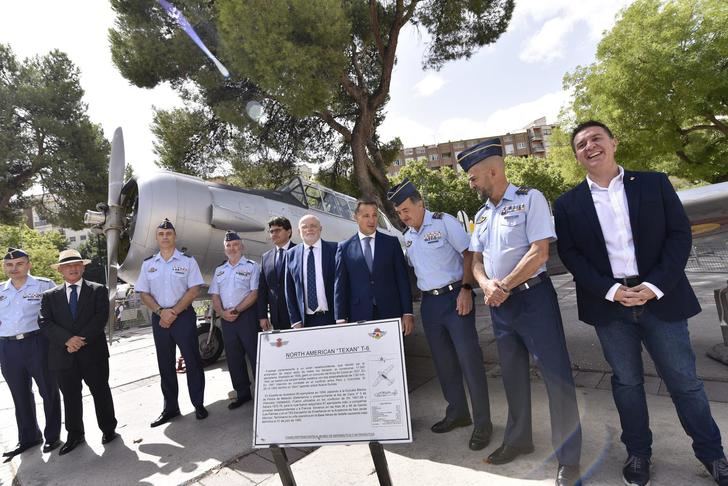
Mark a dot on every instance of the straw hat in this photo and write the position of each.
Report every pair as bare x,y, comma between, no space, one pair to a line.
69,256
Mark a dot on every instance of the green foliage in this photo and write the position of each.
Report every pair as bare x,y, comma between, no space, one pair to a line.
43,248
442,190
321,68
47,140
661,83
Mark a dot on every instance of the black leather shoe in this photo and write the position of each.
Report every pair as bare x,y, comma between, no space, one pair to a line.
50,446
480,438
20,448
446,424
71,443
106,438
201,412
165,417
568,476
506,453
238,403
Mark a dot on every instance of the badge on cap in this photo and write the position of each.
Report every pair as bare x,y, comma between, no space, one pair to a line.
166,224
14,253
232,236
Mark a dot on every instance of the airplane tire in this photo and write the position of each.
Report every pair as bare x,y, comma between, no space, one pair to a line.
211,352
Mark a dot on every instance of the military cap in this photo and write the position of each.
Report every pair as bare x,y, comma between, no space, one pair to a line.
399,193
232,236
166,224
14,253
472,155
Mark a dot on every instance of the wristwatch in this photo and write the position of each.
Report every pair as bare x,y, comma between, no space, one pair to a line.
159,310
466,286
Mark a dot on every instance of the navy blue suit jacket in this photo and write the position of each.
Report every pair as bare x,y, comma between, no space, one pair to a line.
294,278
272,291
356,289
662,241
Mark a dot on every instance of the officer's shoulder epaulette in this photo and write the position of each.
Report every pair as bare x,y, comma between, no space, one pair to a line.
222,263
43,279
405,230
187,255
522,191
149,257
250,261
437,215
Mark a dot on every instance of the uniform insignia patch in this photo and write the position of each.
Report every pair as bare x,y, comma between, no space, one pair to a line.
243,274
33,296
436,215
481,219
513,208
152,270
523,191
3,297
432,236
220,273
408,243
177,269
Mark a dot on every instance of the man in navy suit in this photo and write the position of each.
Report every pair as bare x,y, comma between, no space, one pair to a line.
271,288
310,277
371,274
625,238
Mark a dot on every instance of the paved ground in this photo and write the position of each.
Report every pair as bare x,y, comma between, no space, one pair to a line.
217,450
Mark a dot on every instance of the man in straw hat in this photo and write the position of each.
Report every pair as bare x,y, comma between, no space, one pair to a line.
24,353
73,316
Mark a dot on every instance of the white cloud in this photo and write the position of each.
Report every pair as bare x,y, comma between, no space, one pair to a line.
411,132
429,85
514,118
555,19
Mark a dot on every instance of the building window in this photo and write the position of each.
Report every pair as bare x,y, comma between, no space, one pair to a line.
398,162
446,155
420,150
83,237
507,138
509,149
521,145
408,151
72,239
433,157
458,145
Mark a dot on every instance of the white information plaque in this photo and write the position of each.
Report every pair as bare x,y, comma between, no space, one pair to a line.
340,384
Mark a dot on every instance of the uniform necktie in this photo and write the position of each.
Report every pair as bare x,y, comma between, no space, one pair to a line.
73,301
368,253
311,281
279,263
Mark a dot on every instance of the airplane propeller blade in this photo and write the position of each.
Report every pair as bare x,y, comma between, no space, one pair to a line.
112,227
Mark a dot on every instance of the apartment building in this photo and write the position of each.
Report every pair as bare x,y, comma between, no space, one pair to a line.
533,140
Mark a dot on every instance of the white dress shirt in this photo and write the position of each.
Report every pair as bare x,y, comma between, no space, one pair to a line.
284,247
613,213
78,290
323,304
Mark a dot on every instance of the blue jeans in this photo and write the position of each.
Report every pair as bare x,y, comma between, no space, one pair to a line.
668,343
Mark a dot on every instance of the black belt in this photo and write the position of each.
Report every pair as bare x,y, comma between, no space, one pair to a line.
631,281
18,337
445,289
531,282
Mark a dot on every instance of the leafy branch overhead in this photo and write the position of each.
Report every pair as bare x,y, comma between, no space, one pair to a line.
321,68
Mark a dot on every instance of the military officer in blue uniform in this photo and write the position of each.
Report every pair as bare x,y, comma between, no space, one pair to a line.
511,246
24,354
234,291
437,248
169,281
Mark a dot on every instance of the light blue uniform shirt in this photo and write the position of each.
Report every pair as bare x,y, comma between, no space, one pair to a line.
234,283
436,250
167,281
505,232
19,308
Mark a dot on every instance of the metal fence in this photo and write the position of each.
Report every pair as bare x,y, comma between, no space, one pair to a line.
710,257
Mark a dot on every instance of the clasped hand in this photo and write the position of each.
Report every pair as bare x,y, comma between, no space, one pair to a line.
633,296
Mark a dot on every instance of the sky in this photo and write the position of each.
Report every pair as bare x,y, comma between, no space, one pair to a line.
501,88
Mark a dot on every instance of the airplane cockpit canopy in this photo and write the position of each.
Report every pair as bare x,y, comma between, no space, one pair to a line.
320,198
